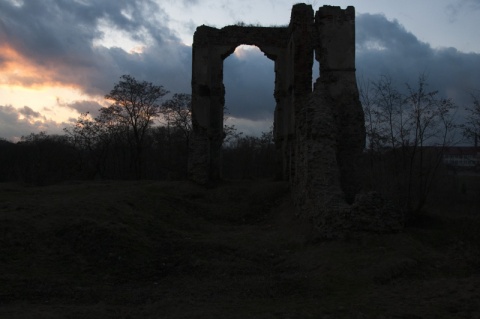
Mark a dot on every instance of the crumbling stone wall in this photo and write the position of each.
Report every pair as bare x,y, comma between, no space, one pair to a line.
319,133
210,47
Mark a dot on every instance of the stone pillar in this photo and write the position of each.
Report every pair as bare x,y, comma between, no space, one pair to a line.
199,148
335,50
316,187
208,96
280,116
301,63
217,104
317,193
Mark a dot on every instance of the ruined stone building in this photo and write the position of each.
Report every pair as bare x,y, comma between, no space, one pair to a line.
319,132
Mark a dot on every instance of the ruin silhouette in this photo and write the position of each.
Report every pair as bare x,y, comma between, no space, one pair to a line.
319,132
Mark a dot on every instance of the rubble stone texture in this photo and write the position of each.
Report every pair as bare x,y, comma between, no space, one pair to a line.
319,133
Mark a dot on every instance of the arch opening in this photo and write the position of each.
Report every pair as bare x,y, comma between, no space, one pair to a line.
315,72
238,48
249,80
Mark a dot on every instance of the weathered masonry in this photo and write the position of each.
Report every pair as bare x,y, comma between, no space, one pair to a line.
319,133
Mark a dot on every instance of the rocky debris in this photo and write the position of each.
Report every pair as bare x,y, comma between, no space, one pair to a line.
371,212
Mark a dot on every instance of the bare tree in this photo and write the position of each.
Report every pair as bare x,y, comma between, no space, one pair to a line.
407,134
93,137
135,105
178,114
389,112
230,132
371,124
431,124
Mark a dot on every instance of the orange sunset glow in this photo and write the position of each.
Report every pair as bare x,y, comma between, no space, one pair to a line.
25,83
18,70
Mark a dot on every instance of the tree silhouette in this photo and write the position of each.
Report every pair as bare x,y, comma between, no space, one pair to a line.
135,105
407,134
178,114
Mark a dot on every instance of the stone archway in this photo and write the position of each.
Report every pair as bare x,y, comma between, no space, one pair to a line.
319,133
211,46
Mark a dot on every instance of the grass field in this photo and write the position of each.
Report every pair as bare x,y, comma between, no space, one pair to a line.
176,250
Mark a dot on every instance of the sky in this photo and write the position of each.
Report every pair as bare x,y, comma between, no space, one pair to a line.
58,58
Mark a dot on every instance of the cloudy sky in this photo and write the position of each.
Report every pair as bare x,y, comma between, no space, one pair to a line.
60,57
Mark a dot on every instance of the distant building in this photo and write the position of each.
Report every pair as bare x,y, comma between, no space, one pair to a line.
464,158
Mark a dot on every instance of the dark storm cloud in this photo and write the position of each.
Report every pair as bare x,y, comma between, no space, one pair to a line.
29,113
84,106
58,35
13,126
386,48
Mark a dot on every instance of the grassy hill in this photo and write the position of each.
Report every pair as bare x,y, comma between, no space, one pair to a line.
175,250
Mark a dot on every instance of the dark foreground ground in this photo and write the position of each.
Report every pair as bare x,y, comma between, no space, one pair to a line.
175,250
